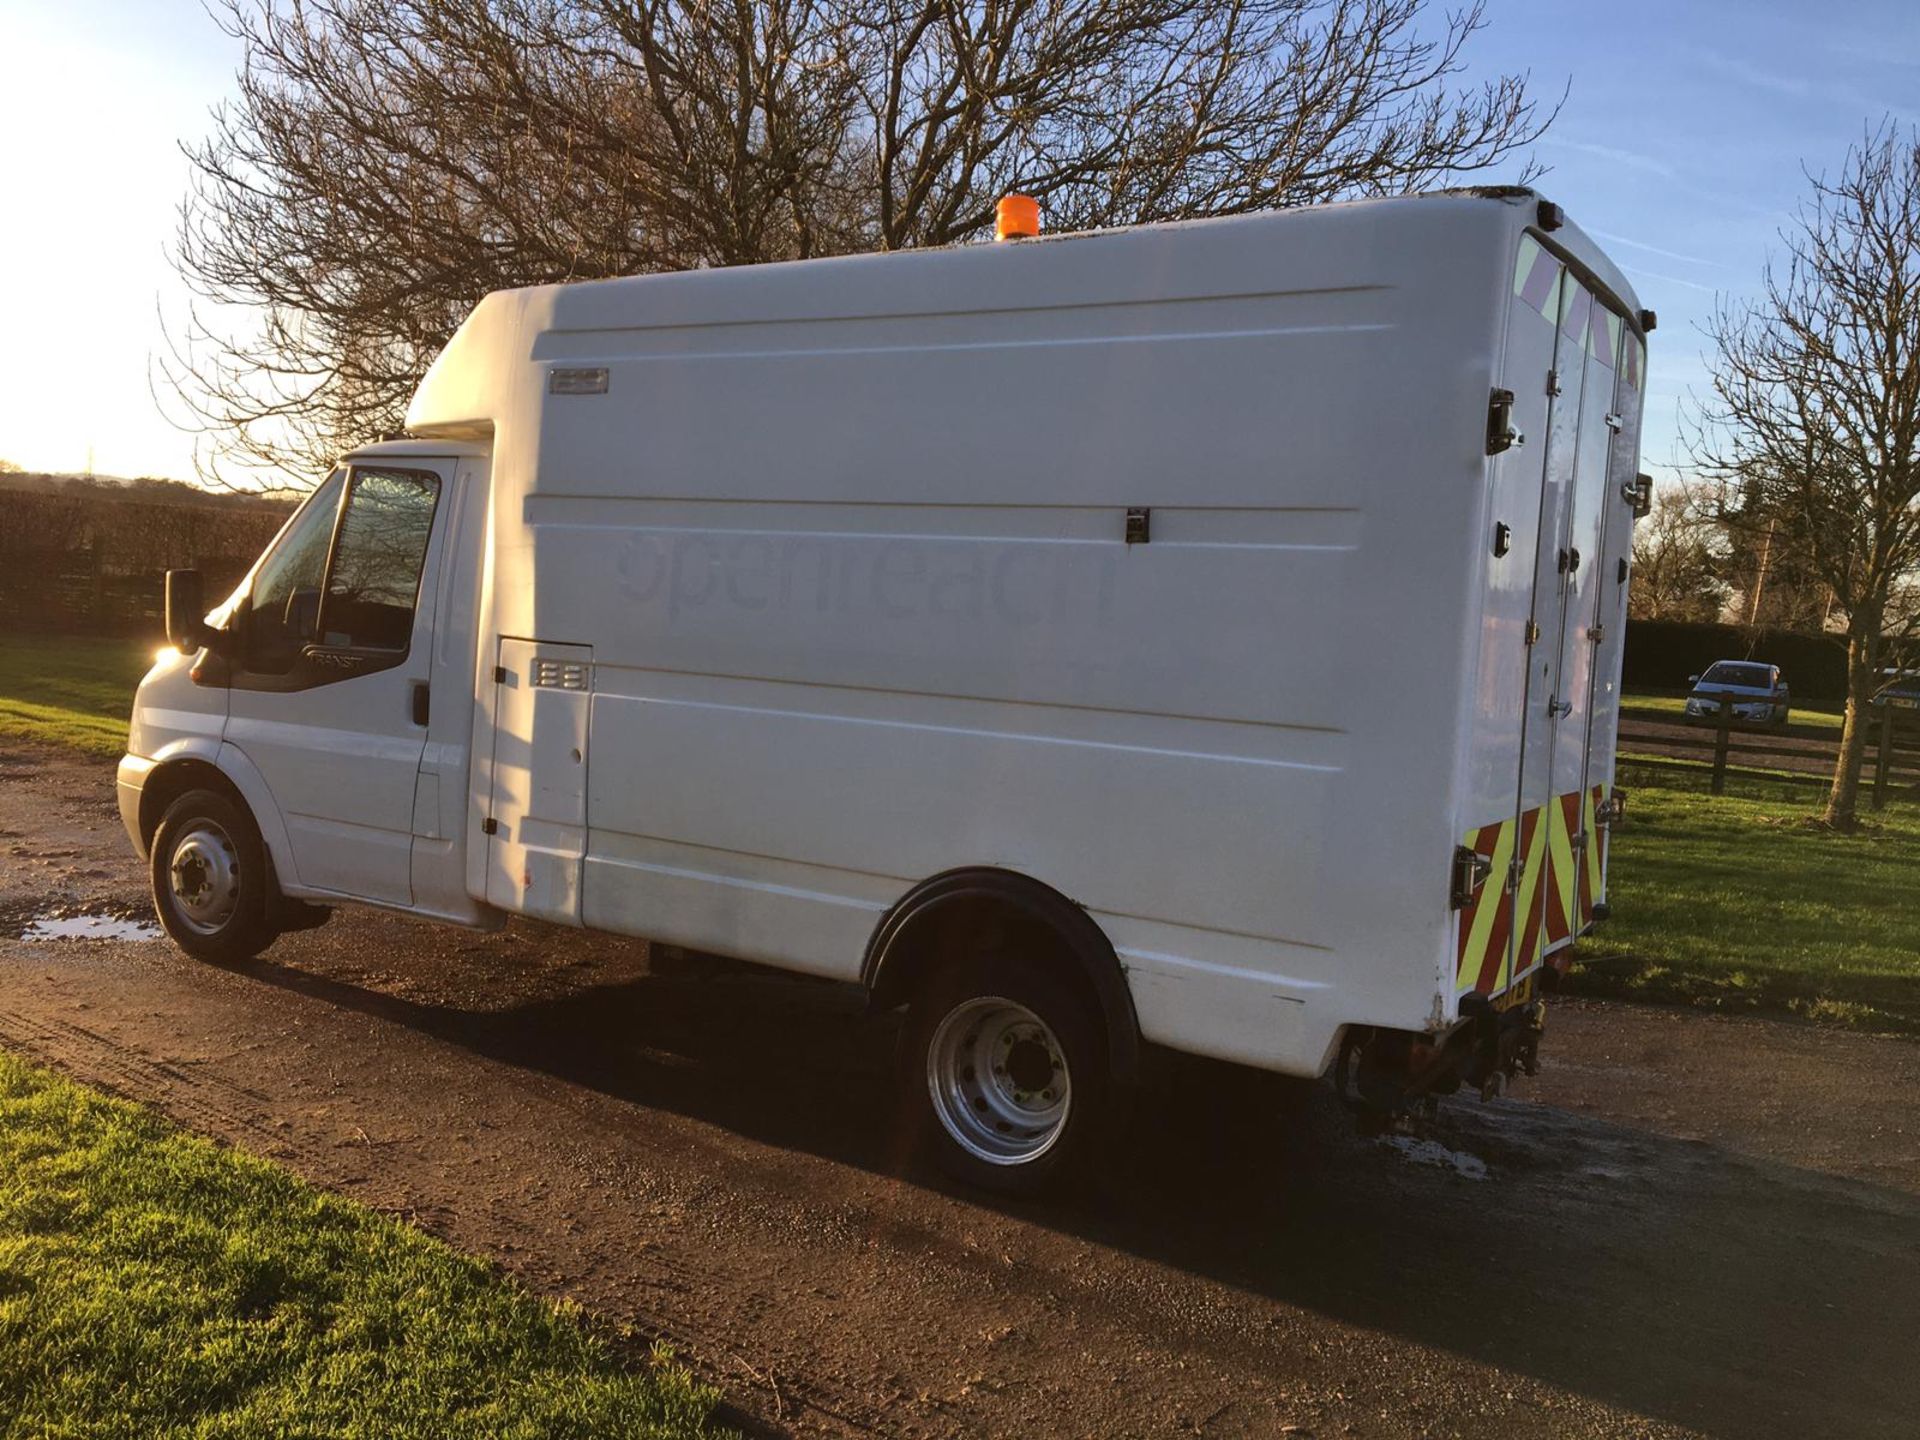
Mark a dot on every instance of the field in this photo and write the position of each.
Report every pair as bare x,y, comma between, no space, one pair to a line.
153,1283
70,690
1741,903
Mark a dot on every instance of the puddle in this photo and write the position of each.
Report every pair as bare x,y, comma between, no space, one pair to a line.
1432,1152
90,927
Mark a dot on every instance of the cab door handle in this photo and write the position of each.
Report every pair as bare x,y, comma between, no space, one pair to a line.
421,706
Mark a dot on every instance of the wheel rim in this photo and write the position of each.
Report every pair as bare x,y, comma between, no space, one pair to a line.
999,1081
203,877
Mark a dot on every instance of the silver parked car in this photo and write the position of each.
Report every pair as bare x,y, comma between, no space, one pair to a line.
1756,691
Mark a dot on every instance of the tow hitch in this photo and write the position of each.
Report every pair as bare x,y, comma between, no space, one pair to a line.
1505,1042
1385,1075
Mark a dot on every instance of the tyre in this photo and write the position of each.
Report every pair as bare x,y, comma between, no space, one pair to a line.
1005,1069
211,884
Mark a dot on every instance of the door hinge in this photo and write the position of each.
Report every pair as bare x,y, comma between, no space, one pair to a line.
1533,632
499,674
1553,382
489,826
1470,871
1614,422
1559,709
1500,432
1597,634
1611,810
1638,493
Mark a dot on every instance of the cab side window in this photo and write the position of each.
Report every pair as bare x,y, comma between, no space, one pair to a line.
286,589
375,577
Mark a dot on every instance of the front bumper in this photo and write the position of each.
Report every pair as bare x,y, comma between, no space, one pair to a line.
128,782
1752,711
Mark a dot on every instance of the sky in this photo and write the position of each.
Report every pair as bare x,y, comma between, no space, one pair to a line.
1679,148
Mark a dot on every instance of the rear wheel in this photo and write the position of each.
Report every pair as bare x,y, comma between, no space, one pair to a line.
1005,1068
210,879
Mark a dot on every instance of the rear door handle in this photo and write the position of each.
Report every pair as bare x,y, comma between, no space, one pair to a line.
421,703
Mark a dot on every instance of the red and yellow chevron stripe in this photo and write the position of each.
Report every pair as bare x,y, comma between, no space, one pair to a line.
1485,961
1563,813
1594,860
1536,278
1484,924
1531,898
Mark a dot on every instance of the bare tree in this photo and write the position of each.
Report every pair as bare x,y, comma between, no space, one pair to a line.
1768,568
388,162
1814,415
1676,568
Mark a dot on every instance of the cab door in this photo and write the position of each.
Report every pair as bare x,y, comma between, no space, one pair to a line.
329,690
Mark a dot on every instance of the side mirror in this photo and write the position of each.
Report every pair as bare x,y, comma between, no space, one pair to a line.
1693,679
187,628
302,618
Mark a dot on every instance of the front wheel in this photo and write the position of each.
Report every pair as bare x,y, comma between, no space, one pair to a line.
1005,1067
210,880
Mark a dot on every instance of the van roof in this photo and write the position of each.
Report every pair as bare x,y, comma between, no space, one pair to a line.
404,448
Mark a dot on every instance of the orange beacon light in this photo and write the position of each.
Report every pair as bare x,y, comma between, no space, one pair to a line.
1017,217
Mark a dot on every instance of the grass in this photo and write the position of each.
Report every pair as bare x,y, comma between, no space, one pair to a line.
155,1284
1744,902
70,690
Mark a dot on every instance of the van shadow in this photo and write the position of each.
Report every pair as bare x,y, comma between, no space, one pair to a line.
1729,1295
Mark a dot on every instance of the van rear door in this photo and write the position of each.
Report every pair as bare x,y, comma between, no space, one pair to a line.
1580,563
1608,631
1507,764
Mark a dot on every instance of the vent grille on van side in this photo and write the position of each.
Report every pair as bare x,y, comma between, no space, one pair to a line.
560,674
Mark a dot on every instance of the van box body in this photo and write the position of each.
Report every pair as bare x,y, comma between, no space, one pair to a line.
1198,572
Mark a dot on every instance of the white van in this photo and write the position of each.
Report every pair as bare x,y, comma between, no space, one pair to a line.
1204,635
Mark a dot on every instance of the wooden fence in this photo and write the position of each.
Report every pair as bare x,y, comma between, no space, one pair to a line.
1794,756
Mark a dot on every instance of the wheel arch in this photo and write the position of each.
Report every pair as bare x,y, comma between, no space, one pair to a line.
171,779
906,945
228,771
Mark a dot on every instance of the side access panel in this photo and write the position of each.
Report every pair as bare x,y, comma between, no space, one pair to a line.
542,697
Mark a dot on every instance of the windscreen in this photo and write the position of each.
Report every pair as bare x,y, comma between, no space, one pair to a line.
1758,677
